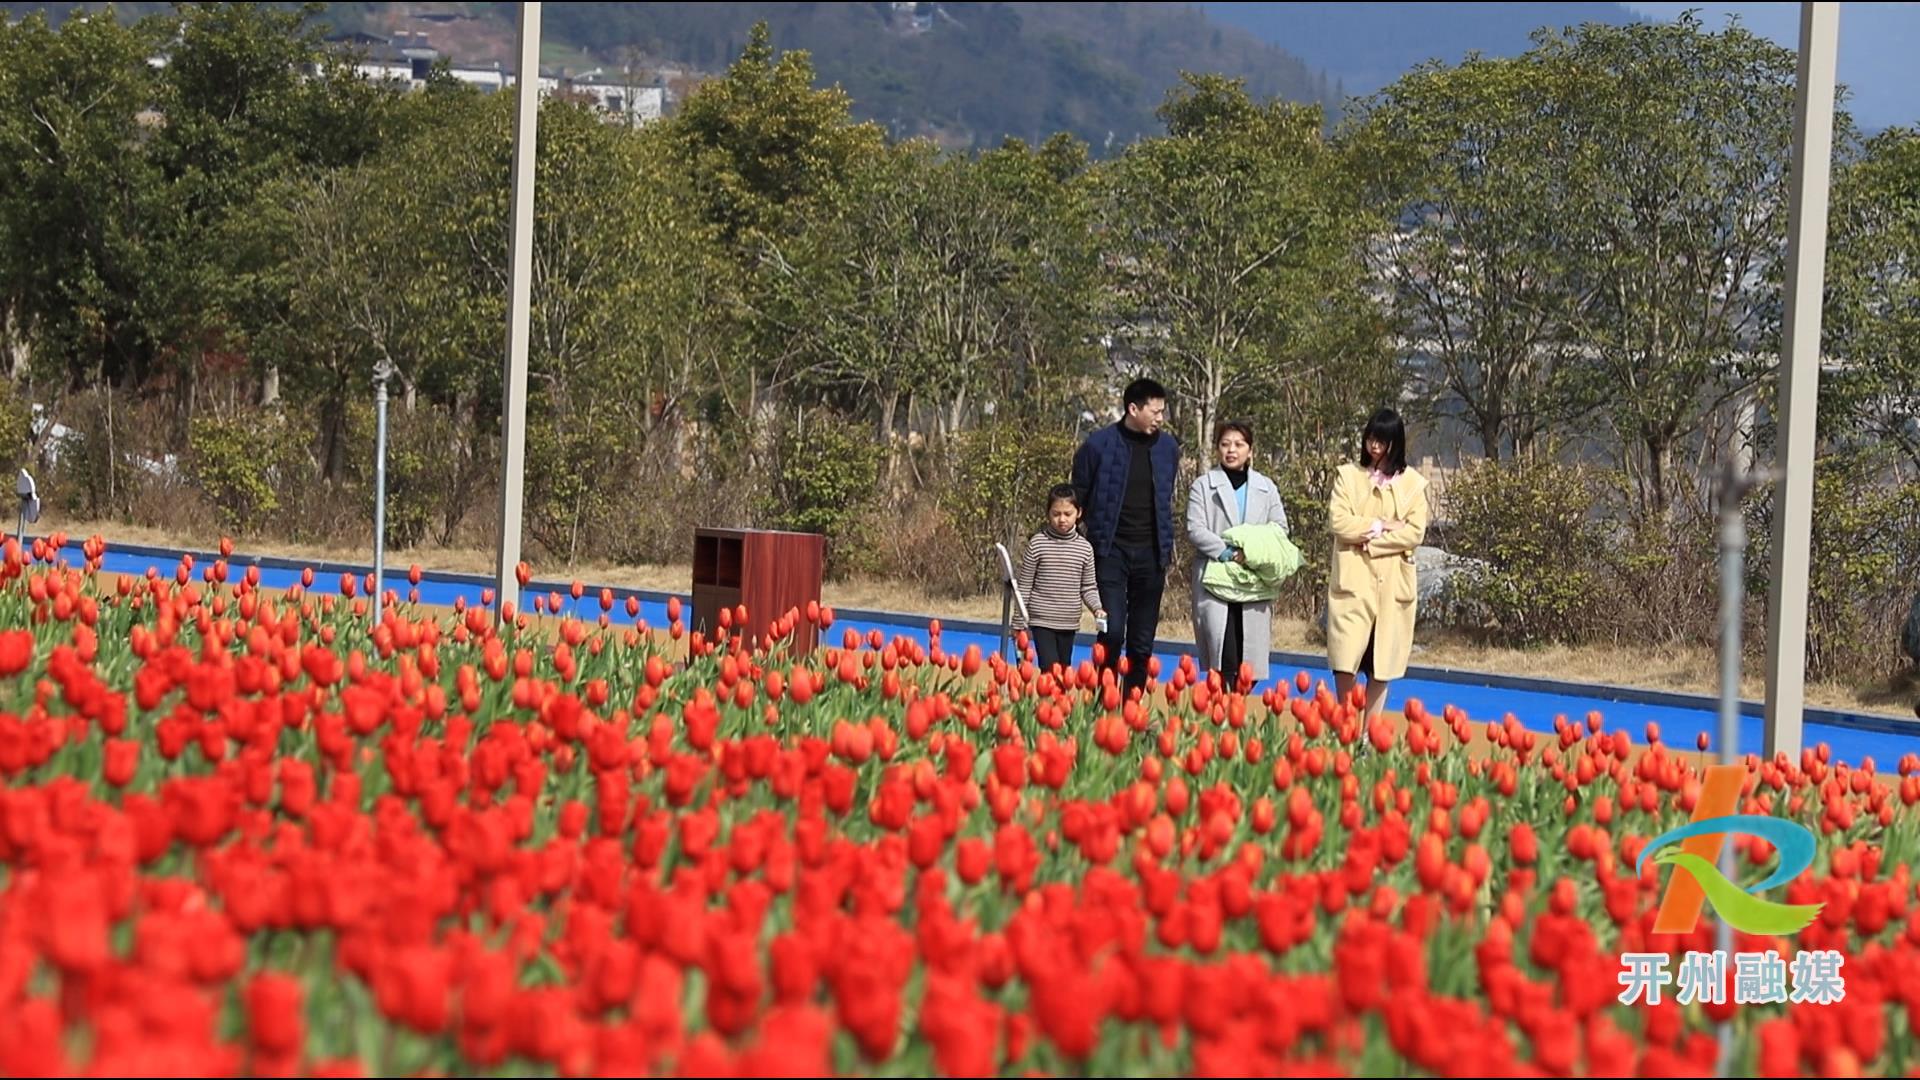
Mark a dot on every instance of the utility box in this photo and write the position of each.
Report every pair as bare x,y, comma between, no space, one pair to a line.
769,572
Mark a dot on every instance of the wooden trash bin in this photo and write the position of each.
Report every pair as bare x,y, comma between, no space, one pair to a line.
769,572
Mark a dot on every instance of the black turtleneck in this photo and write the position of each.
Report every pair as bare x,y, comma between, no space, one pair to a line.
1138,526
1236,477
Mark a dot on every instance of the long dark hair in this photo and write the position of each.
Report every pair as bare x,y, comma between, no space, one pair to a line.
1386,426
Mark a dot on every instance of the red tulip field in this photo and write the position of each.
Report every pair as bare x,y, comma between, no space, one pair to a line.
252,833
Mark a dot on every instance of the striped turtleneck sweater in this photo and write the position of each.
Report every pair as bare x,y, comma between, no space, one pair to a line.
1056,579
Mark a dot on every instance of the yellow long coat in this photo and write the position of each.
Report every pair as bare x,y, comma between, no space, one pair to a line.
1371,593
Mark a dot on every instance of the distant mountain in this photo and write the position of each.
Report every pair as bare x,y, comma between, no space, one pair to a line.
968,74
1365,46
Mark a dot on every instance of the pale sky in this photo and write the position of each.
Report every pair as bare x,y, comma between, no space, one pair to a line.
1879,46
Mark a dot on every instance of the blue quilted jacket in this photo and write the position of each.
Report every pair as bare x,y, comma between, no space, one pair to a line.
1100,475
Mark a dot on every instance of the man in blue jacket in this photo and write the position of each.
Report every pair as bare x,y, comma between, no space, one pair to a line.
1125,476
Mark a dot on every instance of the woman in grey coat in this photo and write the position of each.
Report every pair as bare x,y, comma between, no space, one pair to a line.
1226,634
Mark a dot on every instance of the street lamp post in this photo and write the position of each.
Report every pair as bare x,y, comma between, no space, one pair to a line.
381,373
1735,484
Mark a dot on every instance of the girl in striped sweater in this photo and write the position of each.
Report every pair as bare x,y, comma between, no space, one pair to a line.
1056,579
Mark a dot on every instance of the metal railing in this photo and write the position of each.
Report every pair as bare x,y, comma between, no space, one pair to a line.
1009,597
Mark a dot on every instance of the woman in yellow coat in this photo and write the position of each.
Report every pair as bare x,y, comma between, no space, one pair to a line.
1378,516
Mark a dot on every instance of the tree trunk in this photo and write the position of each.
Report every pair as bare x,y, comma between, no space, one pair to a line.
764,429
13,340
466,419
1743,433
913,461
682,441
757,430
959,410
1487,426
113,461
270,386
335,451
1659,470
573,540
1205,414
887,410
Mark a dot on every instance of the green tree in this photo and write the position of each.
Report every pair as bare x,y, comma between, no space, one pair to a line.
765,151
688,332
317,283
251,96
1234,249
76,192
1682,143
615,251
1866,540
627,278
1872,318
1472,162
330,268
824,480
1055,292
763,144
954,284
847,294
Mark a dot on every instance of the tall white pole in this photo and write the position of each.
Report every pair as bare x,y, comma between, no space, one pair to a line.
513,454
381,373
1800,376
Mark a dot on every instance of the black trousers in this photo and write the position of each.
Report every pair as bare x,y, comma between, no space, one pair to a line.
1131,581
1051,646
1233,645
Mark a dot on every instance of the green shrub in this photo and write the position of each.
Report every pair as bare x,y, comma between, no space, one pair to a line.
16,425
415,452
1304,490
827,476
231,459
569,473
1527,524
93,477
1001,476
1657,577
1865,548
437,469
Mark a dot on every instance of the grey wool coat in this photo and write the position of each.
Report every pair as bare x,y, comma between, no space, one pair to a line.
1213,507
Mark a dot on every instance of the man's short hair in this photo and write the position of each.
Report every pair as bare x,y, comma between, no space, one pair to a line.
1141,391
